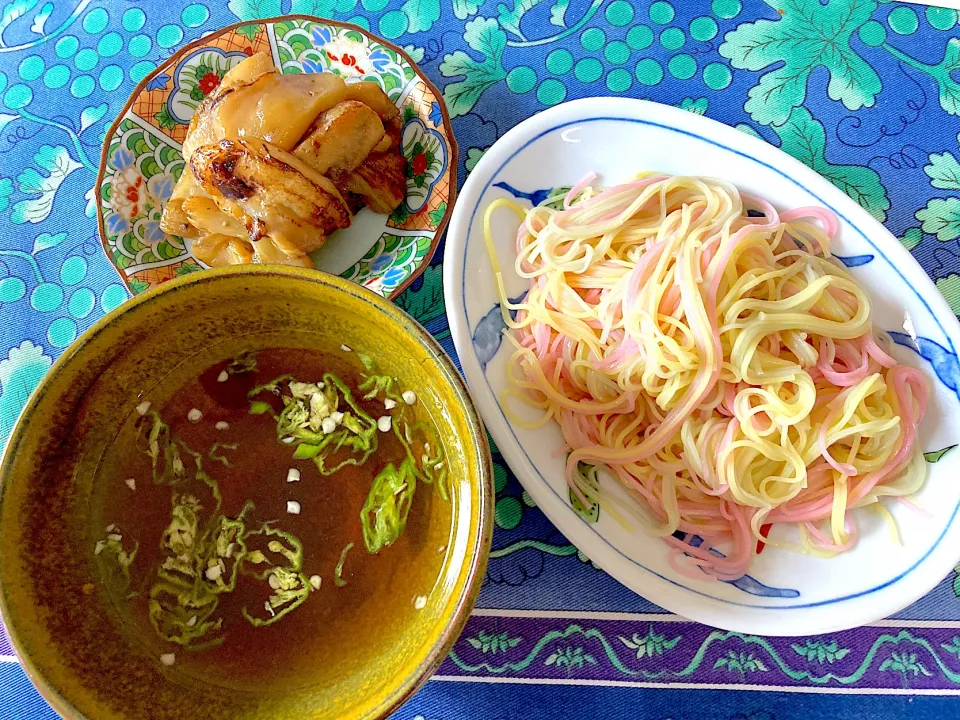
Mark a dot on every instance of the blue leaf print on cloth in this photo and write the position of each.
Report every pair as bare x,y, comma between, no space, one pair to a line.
20,373
54,164
44,241
90,115
6,190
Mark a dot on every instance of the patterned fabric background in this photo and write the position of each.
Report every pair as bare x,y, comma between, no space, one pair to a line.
864,91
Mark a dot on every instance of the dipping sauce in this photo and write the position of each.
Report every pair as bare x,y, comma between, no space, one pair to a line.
254,531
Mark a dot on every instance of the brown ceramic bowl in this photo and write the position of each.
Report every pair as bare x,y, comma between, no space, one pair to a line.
72,641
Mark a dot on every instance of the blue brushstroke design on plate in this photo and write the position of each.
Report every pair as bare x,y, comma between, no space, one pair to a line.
746,583
159,82
944,362
536,197
852,261
488,335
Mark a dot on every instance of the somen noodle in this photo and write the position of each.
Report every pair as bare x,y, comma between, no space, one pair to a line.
710,353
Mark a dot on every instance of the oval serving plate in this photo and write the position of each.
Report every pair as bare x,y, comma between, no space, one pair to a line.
785,593
142,160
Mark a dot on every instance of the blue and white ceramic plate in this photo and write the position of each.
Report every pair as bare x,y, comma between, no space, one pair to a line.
785,593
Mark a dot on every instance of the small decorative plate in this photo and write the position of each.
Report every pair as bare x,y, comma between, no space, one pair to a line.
785,593
142,159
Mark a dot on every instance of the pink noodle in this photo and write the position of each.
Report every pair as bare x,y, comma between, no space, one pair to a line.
820,540
906,501
640,274
707,509
876,352
842,468
826,218
577,189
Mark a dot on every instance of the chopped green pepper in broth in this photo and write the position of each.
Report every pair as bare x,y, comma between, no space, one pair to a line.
204,552
384,514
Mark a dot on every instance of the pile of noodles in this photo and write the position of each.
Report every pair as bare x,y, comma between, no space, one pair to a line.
711,354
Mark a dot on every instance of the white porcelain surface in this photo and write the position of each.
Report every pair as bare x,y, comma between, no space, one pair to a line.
616,138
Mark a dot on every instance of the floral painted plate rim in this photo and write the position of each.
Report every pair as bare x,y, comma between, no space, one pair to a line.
452,161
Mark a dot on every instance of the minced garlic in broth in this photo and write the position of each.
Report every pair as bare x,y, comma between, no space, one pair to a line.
360,612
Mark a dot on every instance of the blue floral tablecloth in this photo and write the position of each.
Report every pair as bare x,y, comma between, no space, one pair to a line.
864,91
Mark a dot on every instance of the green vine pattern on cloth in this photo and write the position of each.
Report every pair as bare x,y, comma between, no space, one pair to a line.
812,662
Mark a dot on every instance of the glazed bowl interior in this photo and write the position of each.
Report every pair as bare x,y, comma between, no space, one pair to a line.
70,638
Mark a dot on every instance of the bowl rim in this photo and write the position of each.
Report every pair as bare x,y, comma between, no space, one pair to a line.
803,623
462,605
185,50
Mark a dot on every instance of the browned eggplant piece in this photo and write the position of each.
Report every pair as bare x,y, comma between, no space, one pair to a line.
341,138
381,180
265,105
206,216
174,220
354,201
269,251
278,109
281,197
275,163
204,128
373,96
218,250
